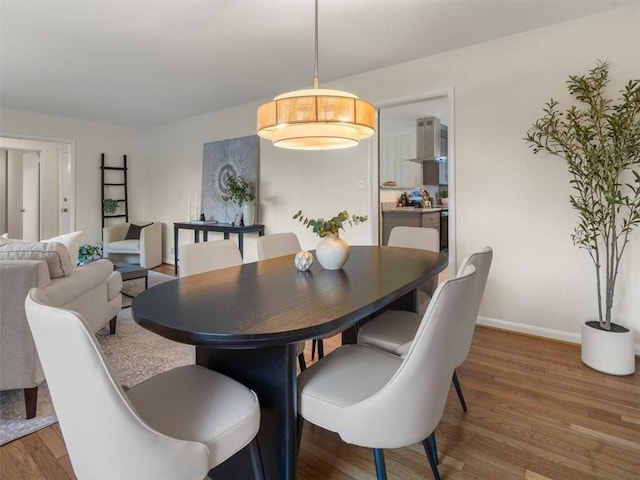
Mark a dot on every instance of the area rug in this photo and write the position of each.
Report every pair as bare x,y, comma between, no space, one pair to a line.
134,354
131,288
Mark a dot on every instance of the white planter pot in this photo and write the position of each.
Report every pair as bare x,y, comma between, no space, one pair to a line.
248,213
332,252
607,351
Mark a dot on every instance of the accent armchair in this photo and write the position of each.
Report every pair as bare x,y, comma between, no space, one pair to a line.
138,243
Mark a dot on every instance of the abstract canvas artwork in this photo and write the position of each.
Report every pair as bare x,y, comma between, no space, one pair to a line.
236,156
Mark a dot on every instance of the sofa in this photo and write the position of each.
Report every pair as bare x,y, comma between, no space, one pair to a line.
136,242
92,290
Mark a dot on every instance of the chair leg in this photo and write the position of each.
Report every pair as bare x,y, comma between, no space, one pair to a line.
30,401
456,384
314,342
301,362
256,460
431,450
299,425
112,325
320,348
381,469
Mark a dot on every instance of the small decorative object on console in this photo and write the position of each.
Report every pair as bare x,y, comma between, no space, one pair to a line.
303,260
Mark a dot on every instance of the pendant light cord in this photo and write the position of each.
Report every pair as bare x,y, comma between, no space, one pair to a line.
315,78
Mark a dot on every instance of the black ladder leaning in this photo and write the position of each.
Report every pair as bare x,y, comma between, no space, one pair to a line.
120,187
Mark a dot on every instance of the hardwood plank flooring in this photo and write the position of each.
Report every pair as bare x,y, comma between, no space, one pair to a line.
535,413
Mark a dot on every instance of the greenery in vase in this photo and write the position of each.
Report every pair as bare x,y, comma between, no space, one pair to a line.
238,190
599,139
323,227
88,252
109,206
444,194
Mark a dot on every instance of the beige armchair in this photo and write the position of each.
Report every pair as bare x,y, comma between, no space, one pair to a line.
143,245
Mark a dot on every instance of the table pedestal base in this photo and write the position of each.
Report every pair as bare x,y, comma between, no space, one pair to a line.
271,373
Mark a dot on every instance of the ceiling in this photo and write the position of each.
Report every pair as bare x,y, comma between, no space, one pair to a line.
142,63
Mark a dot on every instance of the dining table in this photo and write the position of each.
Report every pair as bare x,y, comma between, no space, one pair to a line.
246,321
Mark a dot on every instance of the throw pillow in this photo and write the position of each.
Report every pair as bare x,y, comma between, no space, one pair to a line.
4,238
54,253
72,241
134,231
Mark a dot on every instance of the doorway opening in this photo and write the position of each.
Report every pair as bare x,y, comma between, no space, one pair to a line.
399,170
37,187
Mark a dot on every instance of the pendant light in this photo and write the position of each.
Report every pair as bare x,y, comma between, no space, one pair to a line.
316,118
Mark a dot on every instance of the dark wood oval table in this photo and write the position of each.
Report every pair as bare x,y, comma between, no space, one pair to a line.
245,322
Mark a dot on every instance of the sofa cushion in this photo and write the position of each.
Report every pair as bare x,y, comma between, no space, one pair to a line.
134,231
124,246
54,253
4,238
72,241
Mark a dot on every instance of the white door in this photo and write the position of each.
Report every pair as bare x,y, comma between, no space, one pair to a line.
31,196
64,193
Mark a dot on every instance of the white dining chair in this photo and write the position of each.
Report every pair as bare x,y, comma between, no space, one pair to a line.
378,400
422,239
207,256
394,330
278,245
176,425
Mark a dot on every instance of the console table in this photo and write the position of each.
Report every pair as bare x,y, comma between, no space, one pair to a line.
206,227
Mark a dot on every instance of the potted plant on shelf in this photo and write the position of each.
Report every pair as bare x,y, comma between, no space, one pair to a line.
332,251
240,192
109,206
599,139
444,197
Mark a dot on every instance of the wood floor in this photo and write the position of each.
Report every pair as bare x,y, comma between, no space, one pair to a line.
535,413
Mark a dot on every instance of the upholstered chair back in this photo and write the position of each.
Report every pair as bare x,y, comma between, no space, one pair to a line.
88,399
207,256
415,237
277,245
413,400
482,262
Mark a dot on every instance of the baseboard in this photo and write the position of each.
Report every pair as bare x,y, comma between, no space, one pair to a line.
168,260
537,331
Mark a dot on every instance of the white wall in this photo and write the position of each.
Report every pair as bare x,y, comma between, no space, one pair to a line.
91,139
319,183
3,190
506,197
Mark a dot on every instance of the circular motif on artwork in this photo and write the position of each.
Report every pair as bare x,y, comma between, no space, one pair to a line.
226,171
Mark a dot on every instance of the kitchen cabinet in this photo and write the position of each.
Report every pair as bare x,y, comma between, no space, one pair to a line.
435,173
408,218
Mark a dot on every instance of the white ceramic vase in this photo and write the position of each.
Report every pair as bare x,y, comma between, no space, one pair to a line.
332,252
608,351
248,213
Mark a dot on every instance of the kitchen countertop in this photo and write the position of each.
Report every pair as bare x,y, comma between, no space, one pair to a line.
414,209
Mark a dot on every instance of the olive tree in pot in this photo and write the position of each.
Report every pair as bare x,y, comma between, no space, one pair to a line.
599,139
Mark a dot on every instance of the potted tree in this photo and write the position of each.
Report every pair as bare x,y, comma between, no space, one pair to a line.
332,251
240,192
599,139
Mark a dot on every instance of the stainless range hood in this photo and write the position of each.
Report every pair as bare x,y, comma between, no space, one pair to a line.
431,142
